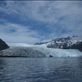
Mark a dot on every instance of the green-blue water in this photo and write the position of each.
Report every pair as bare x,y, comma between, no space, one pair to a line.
40,69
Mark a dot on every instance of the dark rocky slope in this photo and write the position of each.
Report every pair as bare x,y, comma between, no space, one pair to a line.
78,46
3,45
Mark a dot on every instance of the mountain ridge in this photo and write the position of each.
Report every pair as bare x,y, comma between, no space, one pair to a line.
42,50
63,43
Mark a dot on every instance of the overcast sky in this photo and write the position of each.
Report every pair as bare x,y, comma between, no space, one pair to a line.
35,21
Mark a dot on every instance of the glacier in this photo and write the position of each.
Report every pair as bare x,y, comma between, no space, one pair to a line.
54,52
38,51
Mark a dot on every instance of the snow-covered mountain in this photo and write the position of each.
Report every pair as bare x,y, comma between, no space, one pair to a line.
63,43
39,51
60,47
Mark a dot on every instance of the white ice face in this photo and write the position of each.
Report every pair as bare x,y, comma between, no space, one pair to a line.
59,52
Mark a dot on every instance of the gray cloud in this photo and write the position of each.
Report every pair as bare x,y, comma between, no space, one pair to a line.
46,11
60,15
17,33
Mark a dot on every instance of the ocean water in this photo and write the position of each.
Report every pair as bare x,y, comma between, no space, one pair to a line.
41,69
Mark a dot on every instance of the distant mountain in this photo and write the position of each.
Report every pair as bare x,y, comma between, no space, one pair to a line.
19,44
63,43
3,45
59,47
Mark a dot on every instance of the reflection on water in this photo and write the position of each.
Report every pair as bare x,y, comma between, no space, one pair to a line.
40,69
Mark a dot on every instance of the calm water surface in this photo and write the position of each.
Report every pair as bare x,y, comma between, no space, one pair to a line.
40,69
